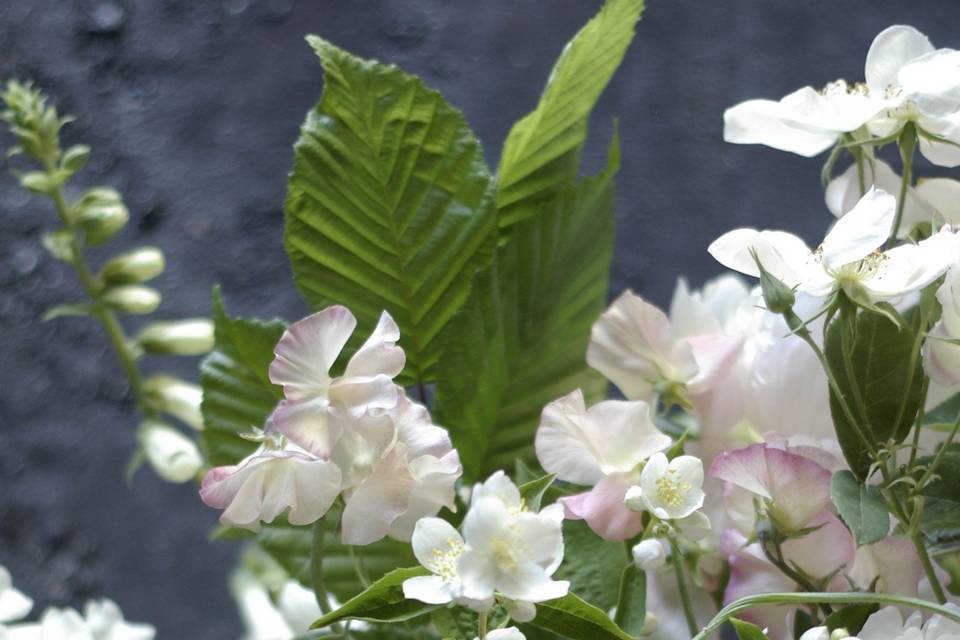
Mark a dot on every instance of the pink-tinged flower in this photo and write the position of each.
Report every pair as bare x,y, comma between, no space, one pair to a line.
793,489
635,347
602,446
892,563
269,482
318,407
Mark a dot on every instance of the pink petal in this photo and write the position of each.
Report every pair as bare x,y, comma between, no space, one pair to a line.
715,356
307,350
379,500
604,511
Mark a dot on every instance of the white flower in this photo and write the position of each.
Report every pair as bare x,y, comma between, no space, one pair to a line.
173,456
103,621
14,605
669,489
941,358
276,477
888,624
906,81
320,407
634,345
287,617
439,548
849,257
649,554
507,633
843,193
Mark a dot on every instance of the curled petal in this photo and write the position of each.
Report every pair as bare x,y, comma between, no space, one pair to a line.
783,254
312,425
380,354
764,122
943,195
861,231
893,48
307,350
434,487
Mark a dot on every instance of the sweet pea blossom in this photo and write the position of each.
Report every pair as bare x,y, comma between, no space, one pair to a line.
941,358
602,446
793,488
907,80
319,407
849,258
669,489
634,346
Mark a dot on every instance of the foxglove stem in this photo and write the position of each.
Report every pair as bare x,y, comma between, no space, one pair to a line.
677,561
748,602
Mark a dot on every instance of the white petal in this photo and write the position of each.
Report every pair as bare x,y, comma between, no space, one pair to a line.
782,254
434,487
487,518
477,575
861,231
307,350
509,633
311,425
943,194
360,394
582,446
429,589
542,537
499,486
13,604
912,267
379,354
105,620
763,122
942,154
433,537
836,110
519,611
530,582
416,429
932,82
892,49
64,624
379,500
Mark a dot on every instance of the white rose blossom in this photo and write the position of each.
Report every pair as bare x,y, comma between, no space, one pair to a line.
849,258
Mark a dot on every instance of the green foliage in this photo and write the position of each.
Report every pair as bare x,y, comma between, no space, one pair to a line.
455,623
851,617
747,630
861,507
382,601
532,492
632,603
882,383
525,328
541,156
941,499
237,394
571,617
591,563
944,415
390,204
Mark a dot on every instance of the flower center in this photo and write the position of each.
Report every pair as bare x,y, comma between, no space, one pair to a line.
444,563
670,490
840,87
859,270
504,554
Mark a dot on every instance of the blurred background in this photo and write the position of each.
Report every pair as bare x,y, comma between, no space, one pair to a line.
191,107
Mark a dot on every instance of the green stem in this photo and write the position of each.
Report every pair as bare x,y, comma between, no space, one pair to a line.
938,458
316,573
482,625
908,144
677,561
917,538
749,602
775,556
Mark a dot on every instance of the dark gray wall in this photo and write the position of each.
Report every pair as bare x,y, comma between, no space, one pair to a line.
191,107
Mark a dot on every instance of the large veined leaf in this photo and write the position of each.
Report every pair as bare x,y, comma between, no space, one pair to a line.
390,204
237,394
521,338
382,601
541,156
941,513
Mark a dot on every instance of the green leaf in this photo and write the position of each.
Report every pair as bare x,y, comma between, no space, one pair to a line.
290,547
541,156
525,328
944,415
861,507
455,623
237,394
65,310
632,603
571,617
941,500
382,601
886,373
589,562
390,204
532,492
850,618
747,630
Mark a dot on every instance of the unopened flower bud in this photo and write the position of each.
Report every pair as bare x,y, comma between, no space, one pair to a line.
649,624
176,397
172,455
132,298
180,337
633,499
75,157
778,297
520,611
138,265
101,213
649,554
38,182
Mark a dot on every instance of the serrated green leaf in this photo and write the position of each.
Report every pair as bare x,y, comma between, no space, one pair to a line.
290,546
861,507
572,617
382,601
882,376
541,156
589,561
747,630
632,603
390,203
944,415
237,394
521,339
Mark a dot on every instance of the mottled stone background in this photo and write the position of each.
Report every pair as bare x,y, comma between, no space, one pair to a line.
191,107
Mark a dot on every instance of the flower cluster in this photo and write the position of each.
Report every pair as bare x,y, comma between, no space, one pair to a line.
101,619
506,551
356,435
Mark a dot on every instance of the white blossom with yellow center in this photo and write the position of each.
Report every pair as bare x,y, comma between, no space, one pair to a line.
669,489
